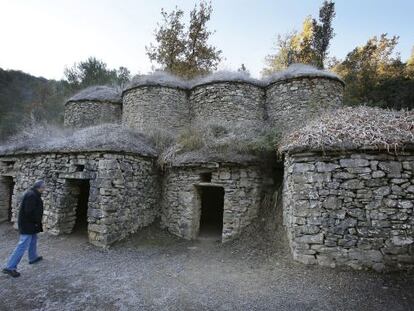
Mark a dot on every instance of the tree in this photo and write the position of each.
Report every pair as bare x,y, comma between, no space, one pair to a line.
410,65
310,46
292,48
94,72
170,42
282,58
201,58
185,53
323,32
374,74
301,45
123,76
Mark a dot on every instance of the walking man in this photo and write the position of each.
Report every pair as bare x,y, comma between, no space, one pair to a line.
29,223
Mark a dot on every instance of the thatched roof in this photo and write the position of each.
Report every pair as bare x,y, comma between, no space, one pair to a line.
359,128
107,137
99,93
295,71
204,156
226,76
160,78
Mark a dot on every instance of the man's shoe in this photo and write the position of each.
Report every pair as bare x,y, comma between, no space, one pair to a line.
36,260
12,273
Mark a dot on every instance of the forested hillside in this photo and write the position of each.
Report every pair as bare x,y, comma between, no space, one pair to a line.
25,98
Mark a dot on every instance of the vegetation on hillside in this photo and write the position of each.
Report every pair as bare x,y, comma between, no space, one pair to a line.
374,74
25,99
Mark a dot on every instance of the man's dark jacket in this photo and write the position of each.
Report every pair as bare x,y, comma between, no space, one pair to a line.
31,213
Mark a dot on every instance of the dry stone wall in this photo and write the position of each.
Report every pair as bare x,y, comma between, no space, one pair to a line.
353,209
227,103
123,195
181,206
283,104
147,107
81,114
289,104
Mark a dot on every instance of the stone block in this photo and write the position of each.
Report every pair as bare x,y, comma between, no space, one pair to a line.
378,174
311,239
392,168
353,162
305,259
302,167
402,240
366,256
326,167
352,184
406,204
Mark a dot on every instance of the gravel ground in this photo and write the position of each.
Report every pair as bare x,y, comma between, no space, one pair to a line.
155,271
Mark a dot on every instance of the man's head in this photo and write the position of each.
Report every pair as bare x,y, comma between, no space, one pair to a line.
39,185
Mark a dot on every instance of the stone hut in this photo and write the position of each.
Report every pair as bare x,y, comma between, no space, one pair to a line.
207,194
93,106
100,181
348,194
301,93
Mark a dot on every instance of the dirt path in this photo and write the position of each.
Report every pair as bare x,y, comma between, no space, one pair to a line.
155,271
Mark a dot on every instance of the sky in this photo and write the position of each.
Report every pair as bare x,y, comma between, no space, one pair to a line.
42,37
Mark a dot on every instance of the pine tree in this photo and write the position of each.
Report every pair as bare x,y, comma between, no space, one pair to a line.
323,32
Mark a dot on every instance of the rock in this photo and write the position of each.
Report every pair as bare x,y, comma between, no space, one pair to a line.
302,167
225,175
311,239
353,162
382,191
390,202
325,261
402,241
352,184
305,259
331,203
405,204
392,168
378,174
325,167
344,175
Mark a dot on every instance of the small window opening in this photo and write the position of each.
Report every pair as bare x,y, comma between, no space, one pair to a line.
79,168
205,177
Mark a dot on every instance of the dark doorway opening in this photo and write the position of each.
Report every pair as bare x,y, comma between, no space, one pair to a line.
10,206
80,195
212,206
6,196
